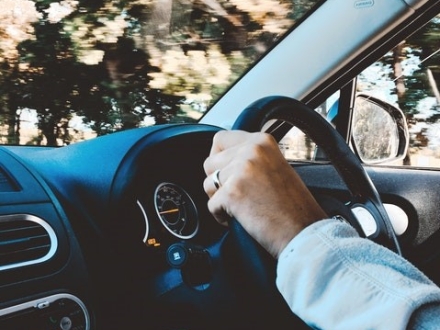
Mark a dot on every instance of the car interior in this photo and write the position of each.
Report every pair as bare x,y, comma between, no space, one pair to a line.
114,232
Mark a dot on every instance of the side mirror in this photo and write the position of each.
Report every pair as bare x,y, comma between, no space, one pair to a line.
379,131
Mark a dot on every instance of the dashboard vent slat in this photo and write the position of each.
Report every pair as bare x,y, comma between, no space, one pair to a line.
24,240
6,183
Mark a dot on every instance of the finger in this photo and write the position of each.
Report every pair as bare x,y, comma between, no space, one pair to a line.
215,181
219,160
226,139
209,185
218,209
224,148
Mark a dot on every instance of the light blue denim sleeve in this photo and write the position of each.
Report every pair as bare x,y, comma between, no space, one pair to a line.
333,279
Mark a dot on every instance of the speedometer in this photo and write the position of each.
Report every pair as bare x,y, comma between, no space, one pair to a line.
176,210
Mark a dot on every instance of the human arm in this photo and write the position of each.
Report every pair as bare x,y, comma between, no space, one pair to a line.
332,278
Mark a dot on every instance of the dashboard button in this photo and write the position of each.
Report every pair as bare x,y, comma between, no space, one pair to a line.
65,323
177,255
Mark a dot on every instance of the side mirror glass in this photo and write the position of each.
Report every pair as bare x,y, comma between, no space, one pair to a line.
379,131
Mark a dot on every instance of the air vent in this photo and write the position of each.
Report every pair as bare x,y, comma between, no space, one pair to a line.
24,240
6,184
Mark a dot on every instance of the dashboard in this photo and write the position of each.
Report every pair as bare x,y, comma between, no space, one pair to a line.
104,233
113,232
42,271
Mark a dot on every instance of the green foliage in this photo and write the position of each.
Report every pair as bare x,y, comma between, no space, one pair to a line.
57,85
50,82
414,68
113,62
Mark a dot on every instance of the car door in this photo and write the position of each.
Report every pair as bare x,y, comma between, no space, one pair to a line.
406,77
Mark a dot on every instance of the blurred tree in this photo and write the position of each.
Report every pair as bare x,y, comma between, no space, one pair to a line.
424,44
16,18
117,62
53,83
413,66
108,94
423,80
421,83
105,35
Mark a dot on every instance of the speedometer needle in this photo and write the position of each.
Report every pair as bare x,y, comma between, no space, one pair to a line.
169,211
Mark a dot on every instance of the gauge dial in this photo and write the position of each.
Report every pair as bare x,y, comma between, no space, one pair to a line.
176,210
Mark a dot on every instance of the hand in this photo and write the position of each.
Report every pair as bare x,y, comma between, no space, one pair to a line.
259,188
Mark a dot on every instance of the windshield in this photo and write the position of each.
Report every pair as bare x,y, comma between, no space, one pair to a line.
72,70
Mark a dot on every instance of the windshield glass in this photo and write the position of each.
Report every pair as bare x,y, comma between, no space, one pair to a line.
75,69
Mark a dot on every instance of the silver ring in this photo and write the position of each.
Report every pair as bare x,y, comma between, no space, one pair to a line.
216,179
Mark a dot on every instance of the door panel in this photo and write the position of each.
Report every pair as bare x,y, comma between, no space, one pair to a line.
416,191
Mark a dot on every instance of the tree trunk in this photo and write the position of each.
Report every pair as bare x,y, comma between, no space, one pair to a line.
48,128
13,128
399,82
433,85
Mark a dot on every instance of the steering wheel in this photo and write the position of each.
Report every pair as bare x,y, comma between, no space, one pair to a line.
349,167
362,190
256,265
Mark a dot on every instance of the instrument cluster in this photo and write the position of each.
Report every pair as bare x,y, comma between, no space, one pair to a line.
175,215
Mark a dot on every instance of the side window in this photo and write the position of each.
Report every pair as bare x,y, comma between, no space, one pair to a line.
409,78
297,146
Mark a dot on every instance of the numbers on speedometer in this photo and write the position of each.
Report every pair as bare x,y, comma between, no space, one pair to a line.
176,210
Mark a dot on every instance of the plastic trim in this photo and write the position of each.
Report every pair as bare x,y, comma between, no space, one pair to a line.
46,302
42,223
